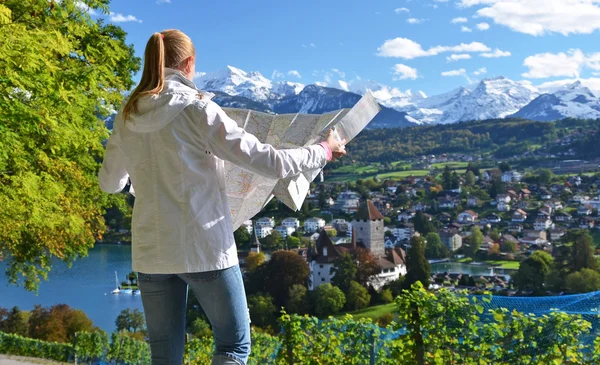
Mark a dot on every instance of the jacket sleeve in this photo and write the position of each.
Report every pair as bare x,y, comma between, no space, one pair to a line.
113,176
229,142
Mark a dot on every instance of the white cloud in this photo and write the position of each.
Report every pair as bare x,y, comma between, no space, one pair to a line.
465,29
496,54
568,64
456,57
339,73
84,7
593,83
163,2
460,72
483,26
441,1
480,71
401,10
403,72
414,20
312,45
277,74
539,17
409,49
596,73
319,83
295,74
459,20
199,74
120,18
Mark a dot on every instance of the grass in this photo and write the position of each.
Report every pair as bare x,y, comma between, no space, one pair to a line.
452,165
373,312
511,265
400,174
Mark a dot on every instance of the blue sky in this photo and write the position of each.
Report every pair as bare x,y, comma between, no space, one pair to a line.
428,45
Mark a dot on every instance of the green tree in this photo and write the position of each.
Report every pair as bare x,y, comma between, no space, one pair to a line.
581,251
447,178
386,296
16,322
508,247
328,300
292,242
534,272
242,237
62,74
545,176
357,297
200,328
434,248
344,272
262,309
366,266
469,178
130,320
584,281
422,224
254,260
298,300
418,268
475,241
284,269
504,166
274,241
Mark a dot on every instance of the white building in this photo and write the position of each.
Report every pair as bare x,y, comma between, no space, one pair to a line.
265,222
248,225
468,216
503,206
406,216
403,232
313,225
263,231
347,202
542,224
285,231
291,222
512,176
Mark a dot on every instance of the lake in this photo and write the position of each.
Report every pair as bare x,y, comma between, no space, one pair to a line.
86,286
461,268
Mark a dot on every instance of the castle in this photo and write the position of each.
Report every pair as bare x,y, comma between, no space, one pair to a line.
368,233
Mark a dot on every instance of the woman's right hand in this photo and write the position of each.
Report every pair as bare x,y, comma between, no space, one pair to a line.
338,148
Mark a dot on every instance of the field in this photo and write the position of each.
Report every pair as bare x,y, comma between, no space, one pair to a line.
372,312
351,172
511,265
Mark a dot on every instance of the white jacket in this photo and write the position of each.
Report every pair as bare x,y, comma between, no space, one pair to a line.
173,151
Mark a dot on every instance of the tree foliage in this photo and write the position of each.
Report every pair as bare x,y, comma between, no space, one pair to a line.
328,300
61,73
418,268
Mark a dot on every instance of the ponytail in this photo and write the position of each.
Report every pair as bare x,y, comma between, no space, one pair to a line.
168,48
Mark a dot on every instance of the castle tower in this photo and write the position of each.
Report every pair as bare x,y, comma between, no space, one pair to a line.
368,228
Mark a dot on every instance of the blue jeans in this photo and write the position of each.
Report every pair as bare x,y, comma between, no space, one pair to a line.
222,297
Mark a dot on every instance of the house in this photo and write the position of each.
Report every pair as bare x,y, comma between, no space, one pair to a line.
536,234
555,204
508,238
347,202
406,215
526,193
542,214
503,207
452,240
341,225
515,227
420,207
247,225
545,194
473,201
557,233
447,203
284,231
519,216
404,231
265,222
263,231
468,216
542,224
291,222
503,198
585,209
512,176
490,174
563,217
523,204
313,225
493,218
586,223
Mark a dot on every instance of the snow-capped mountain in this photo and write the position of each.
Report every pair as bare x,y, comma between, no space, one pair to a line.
570,101
251,85
492,98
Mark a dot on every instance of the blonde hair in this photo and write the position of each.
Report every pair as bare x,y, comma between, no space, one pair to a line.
169,48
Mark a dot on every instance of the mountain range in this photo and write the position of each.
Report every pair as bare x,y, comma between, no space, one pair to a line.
491,98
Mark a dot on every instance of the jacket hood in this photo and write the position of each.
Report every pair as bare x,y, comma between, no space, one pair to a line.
156,111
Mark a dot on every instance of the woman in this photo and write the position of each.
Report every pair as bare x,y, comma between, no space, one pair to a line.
171,141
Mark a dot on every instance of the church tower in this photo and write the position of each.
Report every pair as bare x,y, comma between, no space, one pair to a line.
368,228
